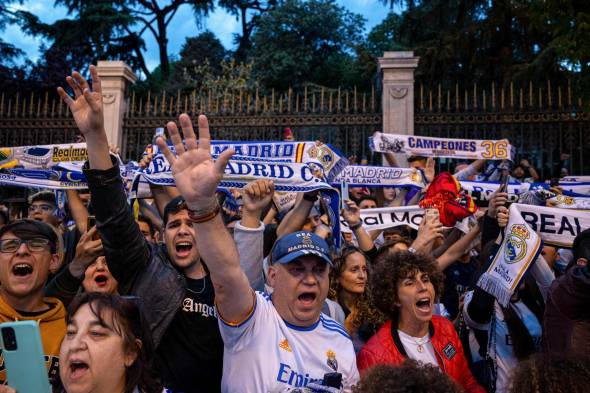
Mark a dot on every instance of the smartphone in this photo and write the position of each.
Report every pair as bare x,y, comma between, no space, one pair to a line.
91,222
23,357
504,181
344,195
159,132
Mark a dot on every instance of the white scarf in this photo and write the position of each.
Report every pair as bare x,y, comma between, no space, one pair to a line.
558,227
388,217
378,176
441,147
520,247
568,202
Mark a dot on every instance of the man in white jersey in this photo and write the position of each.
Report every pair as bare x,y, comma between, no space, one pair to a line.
271,344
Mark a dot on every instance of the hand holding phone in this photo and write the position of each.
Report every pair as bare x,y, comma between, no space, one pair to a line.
23,357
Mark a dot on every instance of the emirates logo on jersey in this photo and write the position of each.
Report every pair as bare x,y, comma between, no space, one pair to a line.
285,345
331,361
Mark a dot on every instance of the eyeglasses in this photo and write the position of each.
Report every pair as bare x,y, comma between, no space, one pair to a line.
45,208
11,245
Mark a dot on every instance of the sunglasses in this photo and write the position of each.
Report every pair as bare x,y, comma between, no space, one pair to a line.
10,246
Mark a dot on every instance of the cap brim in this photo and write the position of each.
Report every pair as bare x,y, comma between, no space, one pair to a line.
296,254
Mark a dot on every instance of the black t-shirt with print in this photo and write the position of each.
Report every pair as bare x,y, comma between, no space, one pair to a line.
190,355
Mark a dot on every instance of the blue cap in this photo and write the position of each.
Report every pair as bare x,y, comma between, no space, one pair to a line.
298,244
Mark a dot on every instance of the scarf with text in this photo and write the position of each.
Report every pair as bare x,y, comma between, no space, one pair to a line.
441,147
388,217
520,247
378,176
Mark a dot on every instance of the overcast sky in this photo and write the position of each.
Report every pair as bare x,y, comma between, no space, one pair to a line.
183,25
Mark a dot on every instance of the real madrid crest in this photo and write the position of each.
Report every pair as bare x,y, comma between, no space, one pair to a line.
323,154
332,362
306,239
516,247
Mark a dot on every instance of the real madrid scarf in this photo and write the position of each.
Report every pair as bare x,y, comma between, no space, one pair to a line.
321,155
287,177
388,217
441,147
45,166
379,176
568,202
520,247
557,227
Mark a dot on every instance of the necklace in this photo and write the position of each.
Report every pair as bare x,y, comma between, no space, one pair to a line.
420,342
201,290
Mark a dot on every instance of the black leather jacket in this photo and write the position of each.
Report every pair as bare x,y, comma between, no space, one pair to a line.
141,269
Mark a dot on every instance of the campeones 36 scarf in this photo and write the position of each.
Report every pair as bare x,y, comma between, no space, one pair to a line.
441,147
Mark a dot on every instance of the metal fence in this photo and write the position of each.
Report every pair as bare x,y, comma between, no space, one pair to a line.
344,119
542,122
546,123
34,120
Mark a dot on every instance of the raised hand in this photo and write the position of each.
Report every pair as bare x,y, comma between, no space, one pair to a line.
257,195
352,213
87,250
86,106
430,170
497,199
195,173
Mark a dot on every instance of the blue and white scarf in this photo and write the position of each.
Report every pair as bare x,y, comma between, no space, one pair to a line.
379,176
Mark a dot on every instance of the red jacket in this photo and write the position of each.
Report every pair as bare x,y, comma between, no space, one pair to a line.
386,348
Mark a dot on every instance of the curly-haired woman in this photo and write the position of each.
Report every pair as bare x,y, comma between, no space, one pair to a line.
405,287
348,286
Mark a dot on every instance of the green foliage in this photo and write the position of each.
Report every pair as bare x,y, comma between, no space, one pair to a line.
303,42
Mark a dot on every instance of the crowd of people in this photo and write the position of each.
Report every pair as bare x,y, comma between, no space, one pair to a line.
185,294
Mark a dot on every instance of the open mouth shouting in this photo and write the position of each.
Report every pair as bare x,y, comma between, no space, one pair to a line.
101,280
77,369
307,300
424,306
22,269
183,248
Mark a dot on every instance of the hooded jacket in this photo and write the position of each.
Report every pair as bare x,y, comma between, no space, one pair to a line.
52,325
385,347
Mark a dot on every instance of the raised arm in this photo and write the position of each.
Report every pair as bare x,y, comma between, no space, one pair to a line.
249,232
125,248
194,165
78,210
458,248
352,216
295,219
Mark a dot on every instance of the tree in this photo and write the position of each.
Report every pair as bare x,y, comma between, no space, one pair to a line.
97,32
305,41
149,16
242,9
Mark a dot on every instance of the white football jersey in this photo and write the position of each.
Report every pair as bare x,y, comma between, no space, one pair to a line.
267,354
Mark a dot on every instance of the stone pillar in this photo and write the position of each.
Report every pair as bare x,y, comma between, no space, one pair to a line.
115,77
397,75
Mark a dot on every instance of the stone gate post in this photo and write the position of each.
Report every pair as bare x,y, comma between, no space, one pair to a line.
397,75
116,76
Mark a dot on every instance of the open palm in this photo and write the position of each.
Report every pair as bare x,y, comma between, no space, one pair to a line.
195,173
86,106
